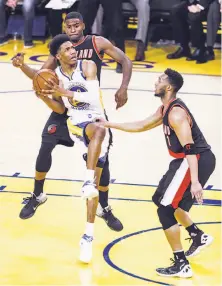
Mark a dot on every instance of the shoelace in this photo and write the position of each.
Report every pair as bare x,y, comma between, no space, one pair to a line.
189,238
26,200
173,261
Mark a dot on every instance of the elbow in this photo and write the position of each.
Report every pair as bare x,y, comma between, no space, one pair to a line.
60,110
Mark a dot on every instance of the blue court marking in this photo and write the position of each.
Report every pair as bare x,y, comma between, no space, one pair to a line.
134,69
2,188
16,175
207,202
113,182
115,88
106,252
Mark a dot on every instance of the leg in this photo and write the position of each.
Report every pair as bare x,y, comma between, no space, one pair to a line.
97,25
55,22
181,267
181,30
213,22
143,14
29,14
43,164
113,18
88,9
2,22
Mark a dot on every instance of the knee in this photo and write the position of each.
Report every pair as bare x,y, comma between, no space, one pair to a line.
166,216
100,132
46,149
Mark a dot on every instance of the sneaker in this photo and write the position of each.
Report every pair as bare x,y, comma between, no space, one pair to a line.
3,41
89,190
180,268
31,205
28,45
200,241
86,248
112,222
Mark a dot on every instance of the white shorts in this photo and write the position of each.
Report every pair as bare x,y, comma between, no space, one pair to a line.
77,134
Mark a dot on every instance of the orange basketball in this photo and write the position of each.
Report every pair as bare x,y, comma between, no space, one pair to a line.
41,78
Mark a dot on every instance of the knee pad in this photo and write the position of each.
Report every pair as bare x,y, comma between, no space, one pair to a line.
166,216
44,159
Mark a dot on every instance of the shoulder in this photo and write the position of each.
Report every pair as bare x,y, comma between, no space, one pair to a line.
102,43
88,63
177,115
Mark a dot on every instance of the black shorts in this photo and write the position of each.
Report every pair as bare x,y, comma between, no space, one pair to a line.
174,187
56,130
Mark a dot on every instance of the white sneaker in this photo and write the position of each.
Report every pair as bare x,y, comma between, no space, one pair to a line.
200,241
86,248
89,190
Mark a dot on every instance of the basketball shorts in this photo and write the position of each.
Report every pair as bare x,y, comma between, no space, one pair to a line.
56,130
174,187
78,134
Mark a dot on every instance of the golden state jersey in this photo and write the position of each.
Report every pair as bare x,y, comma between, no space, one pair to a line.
89,106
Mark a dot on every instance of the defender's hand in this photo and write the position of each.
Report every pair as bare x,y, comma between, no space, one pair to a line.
197,192
18,60
121,97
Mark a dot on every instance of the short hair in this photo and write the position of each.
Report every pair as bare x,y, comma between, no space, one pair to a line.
56,43
175,79
74,15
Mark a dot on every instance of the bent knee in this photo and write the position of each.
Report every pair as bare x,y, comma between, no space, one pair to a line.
100,132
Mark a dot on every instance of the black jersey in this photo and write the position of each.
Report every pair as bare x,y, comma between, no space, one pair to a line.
87,50
173,144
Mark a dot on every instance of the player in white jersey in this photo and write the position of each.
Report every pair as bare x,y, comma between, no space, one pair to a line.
79,92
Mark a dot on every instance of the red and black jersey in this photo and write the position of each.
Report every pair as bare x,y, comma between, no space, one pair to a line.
86,49
173,143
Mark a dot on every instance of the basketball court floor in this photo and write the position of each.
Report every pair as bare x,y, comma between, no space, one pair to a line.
44,250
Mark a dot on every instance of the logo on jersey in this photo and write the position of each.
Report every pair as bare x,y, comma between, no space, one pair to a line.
52,128
78,87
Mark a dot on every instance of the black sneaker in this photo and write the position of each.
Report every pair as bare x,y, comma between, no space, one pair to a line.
200,241
31,204
112,222
180,268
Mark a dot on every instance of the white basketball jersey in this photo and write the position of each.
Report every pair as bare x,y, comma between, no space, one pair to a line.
80,112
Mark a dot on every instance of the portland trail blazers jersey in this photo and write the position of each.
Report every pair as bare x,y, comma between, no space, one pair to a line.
173,144
87,50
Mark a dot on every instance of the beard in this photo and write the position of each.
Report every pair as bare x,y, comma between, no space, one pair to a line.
160,94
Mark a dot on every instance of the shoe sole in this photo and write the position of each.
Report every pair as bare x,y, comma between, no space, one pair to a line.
188,274
200,248
34,211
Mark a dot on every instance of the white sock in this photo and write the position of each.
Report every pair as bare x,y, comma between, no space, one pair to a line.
89,229
89,175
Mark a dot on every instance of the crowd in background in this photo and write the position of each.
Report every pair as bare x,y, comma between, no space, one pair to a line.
105,17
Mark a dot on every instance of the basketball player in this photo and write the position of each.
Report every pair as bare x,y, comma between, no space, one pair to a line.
81,96
188,173
55,131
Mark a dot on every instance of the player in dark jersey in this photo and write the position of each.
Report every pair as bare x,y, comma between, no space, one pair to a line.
188,173
55,131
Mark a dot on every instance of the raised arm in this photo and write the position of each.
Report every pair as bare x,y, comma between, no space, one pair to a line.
138,126
18,61
119,56
181,123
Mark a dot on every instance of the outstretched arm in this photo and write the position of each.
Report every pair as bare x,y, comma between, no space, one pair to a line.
181,123
120,57
18,61
138,126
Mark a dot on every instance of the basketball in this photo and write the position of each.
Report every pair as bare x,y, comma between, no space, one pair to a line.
42,77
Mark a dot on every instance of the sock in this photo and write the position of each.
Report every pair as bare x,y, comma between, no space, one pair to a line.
38,187
103,199
89,229
179,255
89,175
193,230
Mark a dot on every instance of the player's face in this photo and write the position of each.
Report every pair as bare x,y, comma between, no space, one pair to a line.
74,29
67,54
161,85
